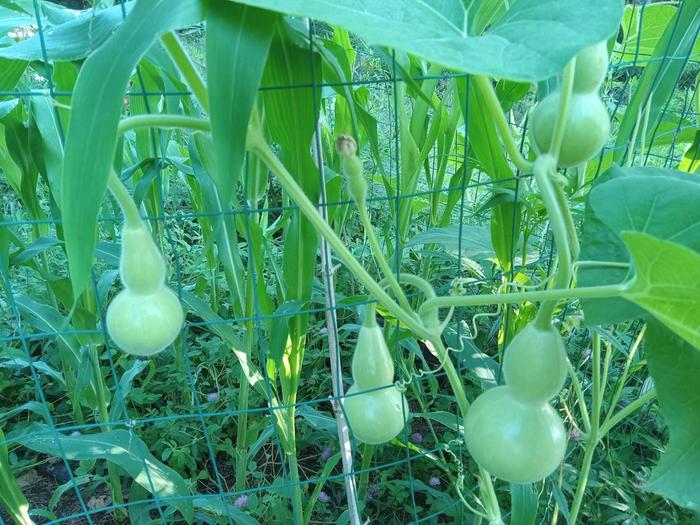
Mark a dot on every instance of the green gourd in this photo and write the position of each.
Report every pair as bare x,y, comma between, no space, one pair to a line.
145,317
374,407
591,65
534,363
587,127
514,440
375,417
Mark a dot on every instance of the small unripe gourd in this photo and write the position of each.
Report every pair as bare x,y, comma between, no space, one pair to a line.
146,316
585,133
591,65
374,407
534,364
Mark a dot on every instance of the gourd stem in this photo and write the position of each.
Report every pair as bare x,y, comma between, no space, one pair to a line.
588,292
543,164
567,88
370,317
189,72
483,84
418,282
127,204
257,144
451,372
381,259
574,245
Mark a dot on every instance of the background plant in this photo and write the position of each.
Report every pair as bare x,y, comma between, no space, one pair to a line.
233,422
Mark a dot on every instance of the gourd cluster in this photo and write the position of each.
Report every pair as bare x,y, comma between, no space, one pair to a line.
512,430
146,316
374,407
587,123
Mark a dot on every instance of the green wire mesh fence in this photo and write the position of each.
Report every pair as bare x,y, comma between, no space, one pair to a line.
188,418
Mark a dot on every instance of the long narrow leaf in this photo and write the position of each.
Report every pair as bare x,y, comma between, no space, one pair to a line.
97,105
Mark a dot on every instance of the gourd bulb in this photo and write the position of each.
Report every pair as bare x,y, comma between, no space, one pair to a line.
586,130
144,324
516,441
377,416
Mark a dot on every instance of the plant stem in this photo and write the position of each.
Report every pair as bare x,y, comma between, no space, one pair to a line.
131,212
587,292
593,436
580,400
543,165
297,507
381,259
574,245
367,453
242,427
611,421
103,410
189,72
257,143
567,87
483,84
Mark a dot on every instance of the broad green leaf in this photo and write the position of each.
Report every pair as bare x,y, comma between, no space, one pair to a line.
660,202
661,75
533,41
238,39
120,447
73,40
675,367
474,241
666,283
97,104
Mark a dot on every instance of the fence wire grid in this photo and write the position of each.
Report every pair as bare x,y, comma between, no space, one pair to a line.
192,429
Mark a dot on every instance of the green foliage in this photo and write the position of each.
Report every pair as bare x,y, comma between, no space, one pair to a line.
241,184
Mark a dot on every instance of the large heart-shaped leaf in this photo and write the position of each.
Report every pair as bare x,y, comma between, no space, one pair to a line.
120,447
532,41
667,283
660,202
675,367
